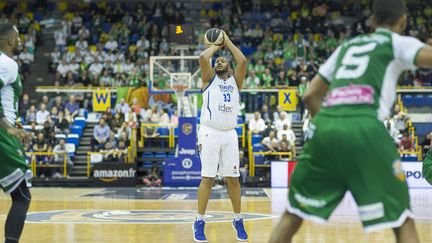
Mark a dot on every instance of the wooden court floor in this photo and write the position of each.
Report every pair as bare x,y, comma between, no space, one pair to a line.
65,215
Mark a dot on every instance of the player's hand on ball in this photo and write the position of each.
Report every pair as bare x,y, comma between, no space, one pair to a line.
226,38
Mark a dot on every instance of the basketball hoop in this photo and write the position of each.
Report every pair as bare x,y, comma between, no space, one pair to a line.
179,89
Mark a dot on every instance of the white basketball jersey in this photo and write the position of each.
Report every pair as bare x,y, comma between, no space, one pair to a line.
221,102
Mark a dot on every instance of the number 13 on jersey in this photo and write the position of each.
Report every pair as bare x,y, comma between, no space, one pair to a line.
227,97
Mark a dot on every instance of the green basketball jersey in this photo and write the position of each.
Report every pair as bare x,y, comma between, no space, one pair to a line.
10,88
363,73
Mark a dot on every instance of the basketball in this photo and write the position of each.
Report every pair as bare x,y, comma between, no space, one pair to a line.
214,36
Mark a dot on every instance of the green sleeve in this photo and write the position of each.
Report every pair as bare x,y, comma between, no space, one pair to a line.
427,167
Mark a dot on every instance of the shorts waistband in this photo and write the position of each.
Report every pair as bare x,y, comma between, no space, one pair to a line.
211,129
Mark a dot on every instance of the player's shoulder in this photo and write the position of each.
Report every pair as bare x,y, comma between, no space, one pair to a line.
8,63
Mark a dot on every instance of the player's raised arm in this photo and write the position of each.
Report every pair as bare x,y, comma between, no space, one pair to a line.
207,72
241,67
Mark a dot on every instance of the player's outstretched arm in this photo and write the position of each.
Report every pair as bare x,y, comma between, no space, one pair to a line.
314,95
241,67
207,72
424,57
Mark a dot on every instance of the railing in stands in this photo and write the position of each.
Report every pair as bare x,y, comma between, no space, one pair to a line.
34,164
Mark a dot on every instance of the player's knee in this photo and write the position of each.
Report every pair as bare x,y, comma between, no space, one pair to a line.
293,220
208,180
232,181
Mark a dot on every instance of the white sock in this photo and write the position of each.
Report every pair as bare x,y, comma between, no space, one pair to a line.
237,216
200,216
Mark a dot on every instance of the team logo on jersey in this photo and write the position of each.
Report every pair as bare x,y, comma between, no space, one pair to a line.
398,171
133,216
187,128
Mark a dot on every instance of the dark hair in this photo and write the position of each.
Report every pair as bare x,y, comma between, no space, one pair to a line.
388,12
5,28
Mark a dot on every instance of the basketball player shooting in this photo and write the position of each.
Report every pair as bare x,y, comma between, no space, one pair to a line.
217,137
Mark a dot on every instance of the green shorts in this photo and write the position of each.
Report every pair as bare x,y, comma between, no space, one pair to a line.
353,154
13,166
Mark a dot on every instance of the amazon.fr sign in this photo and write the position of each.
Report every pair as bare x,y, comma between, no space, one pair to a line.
288,99
114,174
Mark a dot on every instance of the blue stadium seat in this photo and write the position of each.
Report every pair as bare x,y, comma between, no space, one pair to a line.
240,120
74,129
429,100
73,138
239,131
408,100
80,121
259,159
256,138
147,164
258,147
147,155
419,100
38,16
176,131
163,131
160,155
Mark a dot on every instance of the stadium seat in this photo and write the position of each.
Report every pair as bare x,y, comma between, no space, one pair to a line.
80,121
240,120
176,131
408,100
163,131
134,38
106,27
73,138
60,136
258,147
256,138
239,131
429,100
160,155
259,159
38,16
419,100
147,155
147,164
74,129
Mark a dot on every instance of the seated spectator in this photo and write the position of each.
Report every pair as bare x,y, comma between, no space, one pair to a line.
252,81
270,142
107,152
257,125
400,121
101,134
41,145
117,122
152,178
54,114
26,58
61,152
131,118
61,125
288,132
42,115
112,44
112,139
72,106
58,103
244,167
406,143
285,146
62,69
279,109
120,152
124,129
164,118
265,113
283,120
123,106
24,105
31,115
47,128
174,118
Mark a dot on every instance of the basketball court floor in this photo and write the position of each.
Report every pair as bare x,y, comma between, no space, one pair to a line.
163,215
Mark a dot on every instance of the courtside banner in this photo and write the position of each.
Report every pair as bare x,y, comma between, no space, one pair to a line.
114,174
414,175
288,99
101,100
187,141
182,171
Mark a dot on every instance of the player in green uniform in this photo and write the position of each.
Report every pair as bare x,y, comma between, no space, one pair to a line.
14,172
348,147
